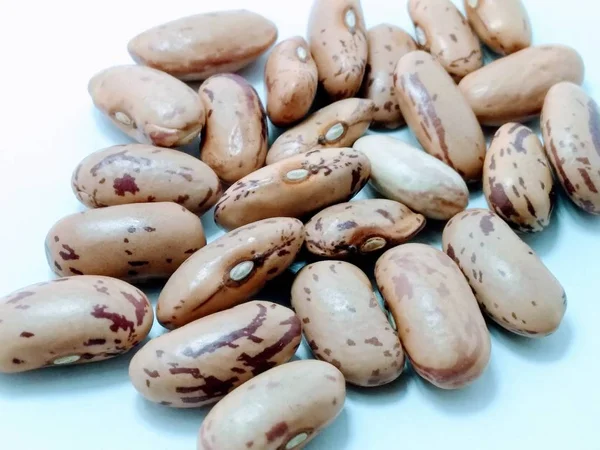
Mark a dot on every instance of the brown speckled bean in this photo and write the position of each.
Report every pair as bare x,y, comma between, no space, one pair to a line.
203,361
517,180
229,270
235,138
571,128
503,25
443,31
73,320
344,324
136,242
338,42
198,46
295,186
438,114
150,106
439,323
387,44
334,126
510,282
296,401
513,88
291,79
138,173
361,227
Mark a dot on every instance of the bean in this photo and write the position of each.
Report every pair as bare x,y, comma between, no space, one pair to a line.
73,320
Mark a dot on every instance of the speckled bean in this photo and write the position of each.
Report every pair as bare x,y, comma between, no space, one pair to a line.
199,46
517,180
439,323
73,320
408,175
338,43
229,270
438,114
344,324
512,285
361,227
513,88
203,361
291,79
503,25
136,242
571,128
296,401
294,187
150,106
138,173
443,31
334,126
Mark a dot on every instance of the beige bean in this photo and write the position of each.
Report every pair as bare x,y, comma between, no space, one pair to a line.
199,46
513,88
503,25
571,129
361,227
203,361
138,173
439,323
294,187
510,282
408,175
296,401
338,42
387,44
439,115
517,180
235,138
150,106
73,320
136,242
443,31
344,324
291,79
334,126
229,270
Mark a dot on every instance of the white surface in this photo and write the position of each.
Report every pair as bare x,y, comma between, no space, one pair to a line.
535,394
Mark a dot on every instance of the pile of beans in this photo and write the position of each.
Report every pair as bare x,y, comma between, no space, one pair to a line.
145,201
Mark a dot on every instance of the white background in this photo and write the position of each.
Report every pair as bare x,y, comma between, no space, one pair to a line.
534,395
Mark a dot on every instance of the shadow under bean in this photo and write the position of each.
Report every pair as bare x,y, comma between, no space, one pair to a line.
178,421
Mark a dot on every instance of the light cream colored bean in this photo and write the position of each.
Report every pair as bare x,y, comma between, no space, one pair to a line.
439,323
199,46
571,128
73,320
203,361
229,270
510,282
361,227
443,31
135,242
294,187
334,126
235,140
513,88
517,180
439,115
138,173
503,25
150,106
411,176
338,42
344,324
291,79
296,401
